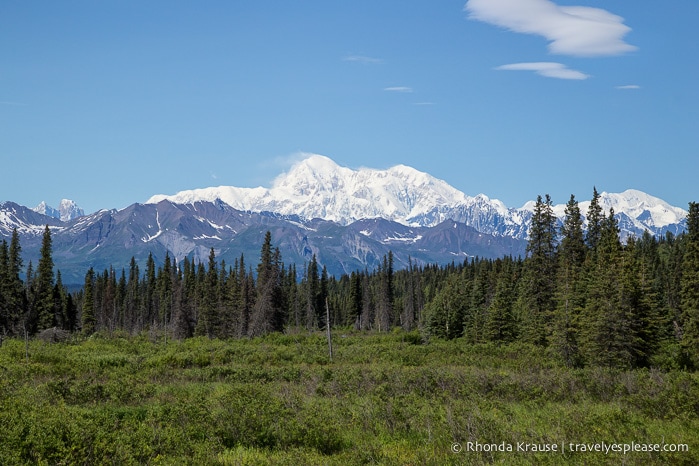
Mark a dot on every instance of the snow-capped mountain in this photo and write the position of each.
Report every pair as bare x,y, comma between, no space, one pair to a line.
347,218
67,210
636,211
110,238
319,188
27,221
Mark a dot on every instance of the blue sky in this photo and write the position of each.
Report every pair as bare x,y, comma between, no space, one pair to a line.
110,102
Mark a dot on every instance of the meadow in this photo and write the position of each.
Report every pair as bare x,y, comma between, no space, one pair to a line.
391,399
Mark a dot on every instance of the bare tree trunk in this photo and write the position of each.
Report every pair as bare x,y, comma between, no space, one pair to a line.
327,324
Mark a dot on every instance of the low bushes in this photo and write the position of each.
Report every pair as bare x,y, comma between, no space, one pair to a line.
384,399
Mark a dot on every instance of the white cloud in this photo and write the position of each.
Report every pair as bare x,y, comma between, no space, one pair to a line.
398,89
571,30
283,162
548,69
363,59
629,86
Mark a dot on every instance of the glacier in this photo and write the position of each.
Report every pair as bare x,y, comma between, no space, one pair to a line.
317,187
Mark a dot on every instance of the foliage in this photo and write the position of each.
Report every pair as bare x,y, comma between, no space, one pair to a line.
587,296
385,398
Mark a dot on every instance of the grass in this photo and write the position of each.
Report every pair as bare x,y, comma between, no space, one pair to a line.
384,399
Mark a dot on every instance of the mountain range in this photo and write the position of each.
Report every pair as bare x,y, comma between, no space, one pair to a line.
317,187
349,219
67,210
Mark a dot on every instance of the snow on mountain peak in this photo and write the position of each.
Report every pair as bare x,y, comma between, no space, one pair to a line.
318,187
67,210
640,207
644,211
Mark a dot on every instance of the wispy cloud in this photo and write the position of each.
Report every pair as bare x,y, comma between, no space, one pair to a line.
571,30
283,162
424,103
363,59
398,89
629,86
547,69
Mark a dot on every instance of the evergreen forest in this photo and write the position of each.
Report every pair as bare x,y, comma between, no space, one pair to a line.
583,294
589,342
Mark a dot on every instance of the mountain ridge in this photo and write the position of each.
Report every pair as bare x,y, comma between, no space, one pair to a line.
317,187
109,238
67,210
349,219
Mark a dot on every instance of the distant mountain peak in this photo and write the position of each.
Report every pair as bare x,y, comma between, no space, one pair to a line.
67,210
317,187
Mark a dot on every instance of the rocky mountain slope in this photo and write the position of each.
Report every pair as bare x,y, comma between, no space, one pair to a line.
348,218
111,237
317,187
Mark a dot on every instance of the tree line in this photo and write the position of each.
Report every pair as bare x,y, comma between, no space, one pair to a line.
583,293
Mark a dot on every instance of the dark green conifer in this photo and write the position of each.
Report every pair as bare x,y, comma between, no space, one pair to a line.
384,299
690,289
207,324
43,292
537,300
267,311
4,285
610,324
595,218
500,324
446,312
569,292
88,305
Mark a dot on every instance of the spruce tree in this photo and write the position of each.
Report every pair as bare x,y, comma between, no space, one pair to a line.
366,317
4,282
293,298
445,313
476,281
569,293
207,324
690,289
656,325
410,305
312,287
323,296
500,324
610,327
634,312
121,300
384,309
148,303
165,290
540,274
60,303
13,291
43,300
180,320
355,300
226,298
88,305
267,312
595,218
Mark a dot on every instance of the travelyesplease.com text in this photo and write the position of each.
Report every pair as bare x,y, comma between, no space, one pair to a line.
565,447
